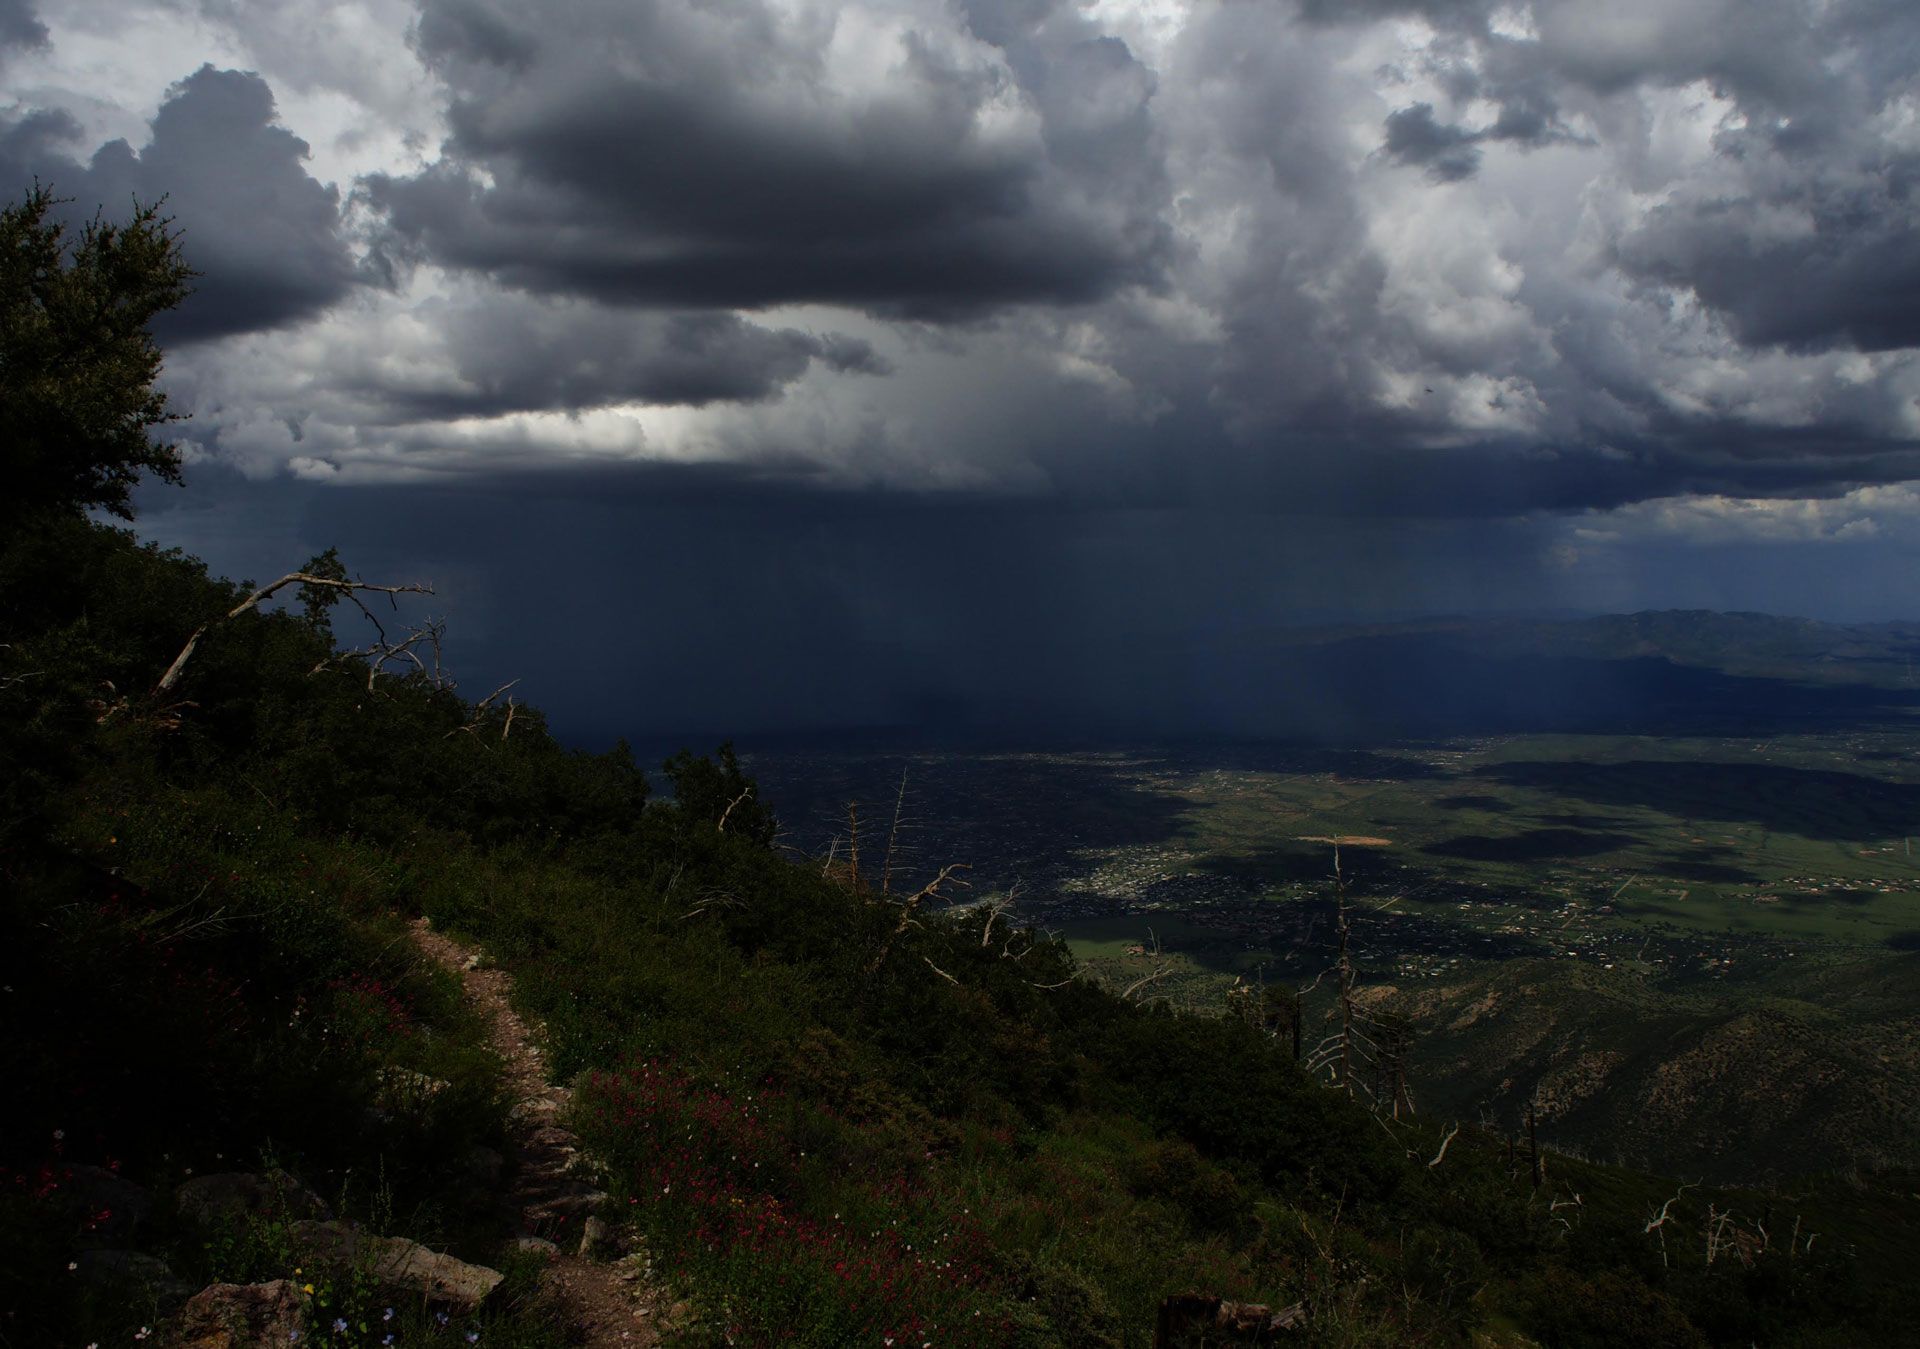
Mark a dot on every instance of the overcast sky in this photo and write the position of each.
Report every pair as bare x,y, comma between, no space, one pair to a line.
774,362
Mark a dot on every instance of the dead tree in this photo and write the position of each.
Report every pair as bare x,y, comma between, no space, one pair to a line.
407,651
1394,1036
1555,1205
910,905
996,907
1158,967
1657,1224
853,845
313,585
893,836
477,718
1339,1050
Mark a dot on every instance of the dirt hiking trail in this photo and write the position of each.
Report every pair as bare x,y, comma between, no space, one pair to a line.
546,1192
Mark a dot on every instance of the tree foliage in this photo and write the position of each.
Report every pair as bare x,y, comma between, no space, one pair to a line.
77,362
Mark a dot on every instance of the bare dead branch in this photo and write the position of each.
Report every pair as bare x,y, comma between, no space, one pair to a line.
853,844
1441,1155
994,908
942,973
721,827
351,589
495,694
8,681
378,654
893,836
1143,981
1657,1223
1554,1206
931,890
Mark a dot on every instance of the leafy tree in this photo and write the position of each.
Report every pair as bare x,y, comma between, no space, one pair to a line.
77,363
718,792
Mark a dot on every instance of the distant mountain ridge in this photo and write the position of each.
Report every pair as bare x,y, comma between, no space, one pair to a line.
1671,671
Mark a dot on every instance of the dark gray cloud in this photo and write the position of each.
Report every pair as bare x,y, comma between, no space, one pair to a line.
716,156
264,236
1116,254
20,26
1826,257
500,354
1415,136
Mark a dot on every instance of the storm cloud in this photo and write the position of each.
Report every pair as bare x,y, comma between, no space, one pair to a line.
1536,297
741,154
264,237
20,26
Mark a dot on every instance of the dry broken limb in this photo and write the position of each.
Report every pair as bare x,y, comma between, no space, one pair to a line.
996,906
908,906
378,653
893,836
352,590
476,719
1657,1223
721,827
1554,1207
8,681
1160,966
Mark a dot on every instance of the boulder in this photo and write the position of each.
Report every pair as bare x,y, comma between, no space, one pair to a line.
399,1264
1192,1319
241,1316
109,1208
228,1195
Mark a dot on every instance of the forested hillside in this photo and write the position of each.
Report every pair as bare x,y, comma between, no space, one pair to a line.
832,1107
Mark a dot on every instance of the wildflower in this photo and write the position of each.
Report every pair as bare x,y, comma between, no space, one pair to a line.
73,1265
387,1315
307,1289
472,1336
142,1333
59,1134
339,1325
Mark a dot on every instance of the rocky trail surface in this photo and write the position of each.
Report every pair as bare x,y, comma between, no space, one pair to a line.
546,1193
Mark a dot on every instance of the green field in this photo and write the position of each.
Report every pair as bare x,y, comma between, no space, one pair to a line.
1659,922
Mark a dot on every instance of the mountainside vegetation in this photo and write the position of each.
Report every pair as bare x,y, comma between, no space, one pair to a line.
837,1107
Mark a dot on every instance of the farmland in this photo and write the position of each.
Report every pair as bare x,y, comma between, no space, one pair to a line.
1646,922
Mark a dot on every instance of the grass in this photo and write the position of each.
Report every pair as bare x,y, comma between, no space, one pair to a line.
196,986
